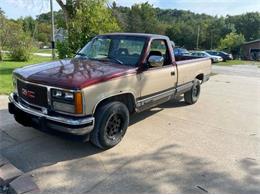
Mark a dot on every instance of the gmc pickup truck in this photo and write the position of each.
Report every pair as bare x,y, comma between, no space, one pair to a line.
112,77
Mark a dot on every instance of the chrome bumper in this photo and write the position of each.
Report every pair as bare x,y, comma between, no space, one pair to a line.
77,126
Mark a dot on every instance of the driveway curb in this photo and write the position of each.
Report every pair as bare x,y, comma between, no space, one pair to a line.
14,181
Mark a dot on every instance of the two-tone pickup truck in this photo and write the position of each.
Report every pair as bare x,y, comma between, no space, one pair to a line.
112,77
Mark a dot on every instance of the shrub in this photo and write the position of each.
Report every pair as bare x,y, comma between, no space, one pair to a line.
231,43
63,49
21,47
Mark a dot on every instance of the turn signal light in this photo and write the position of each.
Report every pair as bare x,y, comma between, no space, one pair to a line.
78,103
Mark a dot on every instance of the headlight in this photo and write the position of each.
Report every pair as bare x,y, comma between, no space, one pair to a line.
68,96
63,95
67,101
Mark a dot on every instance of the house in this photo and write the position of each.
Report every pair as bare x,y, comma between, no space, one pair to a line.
251,50
60,34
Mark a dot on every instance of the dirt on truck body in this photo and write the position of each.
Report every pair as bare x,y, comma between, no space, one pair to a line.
113,76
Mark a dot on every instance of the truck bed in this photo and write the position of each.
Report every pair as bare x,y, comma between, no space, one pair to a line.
192,66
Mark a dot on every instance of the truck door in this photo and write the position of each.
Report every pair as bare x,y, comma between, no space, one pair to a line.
156,81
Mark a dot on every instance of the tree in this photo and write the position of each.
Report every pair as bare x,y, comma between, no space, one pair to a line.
28,24
86,19
182,34
69,9
14,38
247,24
232,42
142,18
58,16
43,33
3,32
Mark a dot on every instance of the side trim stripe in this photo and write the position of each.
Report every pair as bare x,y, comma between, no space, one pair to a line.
162,94
155,97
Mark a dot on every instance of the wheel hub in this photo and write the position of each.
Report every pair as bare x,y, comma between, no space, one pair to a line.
114,126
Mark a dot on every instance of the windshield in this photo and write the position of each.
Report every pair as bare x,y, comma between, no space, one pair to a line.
119,49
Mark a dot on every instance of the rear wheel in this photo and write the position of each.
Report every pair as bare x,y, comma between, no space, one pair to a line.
192,96
112,120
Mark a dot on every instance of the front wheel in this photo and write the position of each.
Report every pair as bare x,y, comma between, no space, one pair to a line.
112,120
192,96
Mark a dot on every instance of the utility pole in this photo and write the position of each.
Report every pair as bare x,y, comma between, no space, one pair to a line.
211,39
198,37
52,31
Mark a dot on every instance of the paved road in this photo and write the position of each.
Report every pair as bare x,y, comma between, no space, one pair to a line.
212,146
43,54
37,54
241,70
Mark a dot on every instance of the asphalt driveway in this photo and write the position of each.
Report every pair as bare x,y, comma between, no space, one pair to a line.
212,146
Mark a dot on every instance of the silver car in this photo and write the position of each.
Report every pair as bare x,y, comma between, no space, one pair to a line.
204,54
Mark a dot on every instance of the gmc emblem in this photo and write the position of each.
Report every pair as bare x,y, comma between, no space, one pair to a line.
28,93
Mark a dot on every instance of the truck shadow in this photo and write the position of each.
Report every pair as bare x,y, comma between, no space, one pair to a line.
139,173
29,149
162,170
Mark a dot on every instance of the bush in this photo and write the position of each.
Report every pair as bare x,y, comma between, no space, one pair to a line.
63,49
21,47
20,54
231,43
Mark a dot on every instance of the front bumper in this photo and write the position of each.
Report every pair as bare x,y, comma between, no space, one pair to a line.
28,116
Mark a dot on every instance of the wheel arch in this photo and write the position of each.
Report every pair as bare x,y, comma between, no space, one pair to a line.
127,98
200,77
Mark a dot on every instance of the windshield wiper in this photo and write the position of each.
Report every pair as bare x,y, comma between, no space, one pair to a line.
115,59
81,54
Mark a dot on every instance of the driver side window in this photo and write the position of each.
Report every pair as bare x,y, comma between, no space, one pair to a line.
159,48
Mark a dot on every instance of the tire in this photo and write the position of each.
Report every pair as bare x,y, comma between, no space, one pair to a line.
112,120
192,96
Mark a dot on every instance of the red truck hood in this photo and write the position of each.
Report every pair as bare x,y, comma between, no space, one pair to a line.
72,74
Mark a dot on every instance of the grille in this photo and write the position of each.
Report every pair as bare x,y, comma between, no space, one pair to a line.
32,94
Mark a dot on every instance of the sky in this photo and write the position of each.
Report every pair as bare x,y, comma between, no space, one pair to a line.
20,8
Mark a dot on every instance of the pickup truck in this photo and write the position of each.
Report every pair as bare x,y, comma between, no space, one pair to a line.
112,77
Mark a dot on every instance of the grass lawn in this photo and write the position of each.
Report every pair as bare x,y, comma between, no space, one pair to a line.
237,62
7,67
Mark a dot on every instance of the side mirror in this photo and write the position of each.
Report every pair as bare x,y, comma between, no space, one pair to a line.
156,61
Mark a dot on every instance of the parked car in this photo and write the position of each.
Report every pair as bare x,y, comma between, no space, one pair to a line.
94,93
179,51
222,54
204,54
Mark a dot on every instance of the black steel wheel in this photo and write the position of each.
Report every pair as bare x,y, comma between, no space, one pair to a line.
112,120
114,127
192,96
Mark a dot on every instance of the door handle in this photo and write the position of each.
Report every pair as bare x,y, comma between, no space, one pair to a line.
172,73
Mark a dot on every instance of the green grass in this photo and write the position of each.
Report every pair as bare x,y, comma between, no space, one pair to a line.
237,62
7,67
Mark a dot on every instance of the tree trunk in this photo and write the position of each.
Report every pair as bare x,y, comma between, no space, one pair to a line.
65,12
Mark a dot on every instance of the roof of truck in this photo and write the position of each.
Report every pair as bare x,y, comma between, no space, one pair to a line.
137,35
